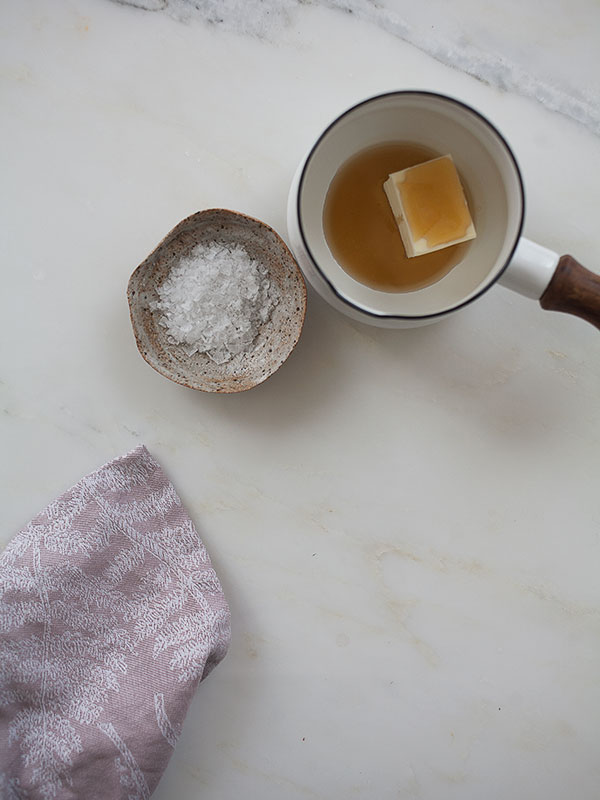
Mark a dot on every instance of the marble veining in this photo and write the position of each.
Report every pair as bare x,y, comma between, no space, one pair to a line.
507,50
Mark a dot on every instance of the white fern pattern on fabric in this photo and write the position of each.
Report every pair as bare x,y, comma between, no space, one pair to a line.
130,775
102,595
10,789
163,722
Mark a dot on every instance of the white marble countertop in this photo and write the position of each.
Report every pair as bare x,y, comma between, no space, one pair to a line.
406,523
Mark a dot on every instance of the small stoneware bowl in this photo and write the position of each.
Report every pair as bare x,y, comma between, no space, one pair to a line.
276,337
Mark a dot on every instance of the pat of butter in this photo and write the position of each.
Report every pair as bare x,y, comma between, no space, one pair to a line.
429,206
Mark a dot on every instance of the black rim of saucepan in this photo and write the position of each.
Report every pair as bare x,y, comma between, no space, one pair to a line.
464,303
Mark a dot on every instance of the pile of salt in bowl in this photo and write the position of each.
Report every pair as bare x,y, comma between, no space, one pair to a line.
215,300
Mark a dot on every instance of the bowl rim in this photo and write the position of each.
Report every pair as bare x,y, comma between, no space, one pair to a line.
130,301
444,312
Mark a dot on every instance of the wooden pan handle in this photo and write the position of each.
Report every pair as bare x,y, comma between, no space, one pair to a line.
573,289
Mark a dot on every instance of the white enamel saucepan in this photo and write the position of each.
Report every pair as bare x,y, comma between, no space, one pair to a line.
489,169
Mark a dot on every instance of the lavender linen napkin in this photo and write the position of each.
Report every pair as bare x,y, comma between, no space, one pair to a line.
110,614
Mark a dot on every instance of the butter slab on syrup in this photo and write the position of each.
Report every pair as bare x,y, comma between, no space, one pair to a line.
429,206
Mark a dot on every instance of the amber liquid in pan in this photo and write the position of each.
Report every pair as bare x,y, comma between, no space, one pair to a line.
361,230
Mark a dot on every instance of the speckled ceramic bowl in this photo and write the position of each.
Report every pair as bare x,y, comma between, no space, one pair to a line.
276,338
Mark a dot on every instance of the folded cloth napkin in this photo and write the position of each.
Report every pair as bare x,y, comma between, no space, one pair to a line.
110,614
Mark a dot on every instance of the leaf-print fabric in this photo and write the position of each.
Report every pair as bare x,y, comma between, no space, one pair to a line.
110,614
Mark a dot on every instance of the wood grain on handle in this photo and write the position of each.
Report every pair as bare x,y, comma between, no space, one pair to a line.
573,289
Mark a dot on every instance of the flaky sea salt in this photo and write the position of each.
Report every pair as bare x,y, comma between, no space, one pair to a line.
215,300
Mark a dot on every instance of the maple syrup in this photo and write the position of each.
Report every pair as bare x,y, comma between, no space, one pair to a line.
360,228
